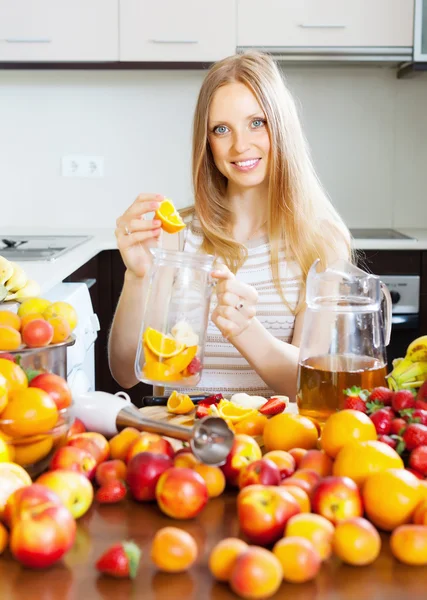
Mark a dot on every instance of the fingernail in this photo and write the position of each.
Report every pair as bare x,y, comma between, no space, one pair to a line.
155,205
157,223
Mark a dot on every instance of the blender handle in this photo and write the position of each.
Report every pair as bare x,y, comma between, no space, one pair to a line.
388,312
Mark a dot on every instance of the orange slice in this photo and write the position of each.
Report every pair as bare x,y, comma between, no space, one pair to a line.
149,356
161,345
183,359
233,413
179,404
156,371
168,215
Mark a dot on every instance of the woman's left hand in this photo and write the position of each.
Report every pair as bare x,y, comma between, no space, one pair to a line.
236,303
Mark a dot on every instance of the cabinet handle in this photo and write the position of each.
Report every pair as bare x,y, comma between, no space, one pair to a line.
174,41
320,26
28,41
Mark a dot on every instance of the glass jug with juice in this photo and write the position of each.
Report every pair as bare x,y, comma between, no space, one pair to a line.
344,338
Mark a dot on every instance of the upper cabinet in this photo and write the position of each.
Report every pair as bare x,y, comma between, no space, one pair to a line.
59,30
177,30
337,25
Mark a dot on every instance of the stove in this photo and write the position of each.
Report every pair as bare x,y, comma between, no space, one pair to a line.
38,247
379,234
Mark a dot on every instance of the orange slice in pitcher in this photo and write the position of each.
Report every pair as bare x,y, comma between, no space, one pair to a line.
183,359
179,404
161,345
168,215
156,371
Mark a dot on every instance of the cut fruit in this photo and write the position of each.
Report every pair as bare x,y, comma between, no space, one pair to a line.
156,371
233,413
161,345
168,215
180,404
148,355
183,359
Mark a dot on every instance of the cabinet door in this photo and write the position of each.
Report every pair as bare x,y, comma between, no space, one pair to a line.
325,23
59,30
177,30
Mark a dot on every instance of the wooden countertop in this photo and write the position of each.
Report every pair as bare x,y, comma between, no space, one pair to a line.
75,578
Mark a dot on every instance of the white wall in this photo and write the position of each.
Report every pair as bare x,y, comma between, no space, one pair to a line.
367,130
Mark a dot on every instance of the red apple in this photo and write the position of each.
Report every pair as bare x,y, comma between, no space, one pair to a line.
26,499
263,471
74,489
150,442
95,443
181,493
263,513
337,499
77,427
56,386
244,451
73,458
143,472
111,470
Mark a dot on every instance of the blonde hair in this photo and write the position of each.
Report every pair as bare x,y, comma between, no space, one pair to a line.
301,219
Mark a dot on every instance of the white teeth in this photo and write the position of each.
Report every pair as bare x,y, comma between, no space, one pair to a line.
247,163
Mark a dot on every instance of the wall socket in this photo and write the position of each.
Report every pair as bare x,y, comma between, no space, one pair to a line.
79,165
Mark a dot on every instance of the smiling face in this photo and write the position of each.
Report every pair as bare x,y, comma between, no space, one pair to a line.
238,136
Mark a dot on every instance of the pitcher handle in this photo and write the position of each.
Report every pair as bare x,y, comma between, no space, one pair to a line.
388,312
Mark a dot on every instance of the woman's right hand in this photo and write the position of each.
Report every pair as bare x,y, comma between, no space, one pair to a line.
136,235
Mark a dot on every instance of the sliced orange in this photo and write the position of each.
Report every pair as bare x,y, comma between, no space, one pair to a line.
161,345
233,413
181,361
148,355
168,215
156,371
179,404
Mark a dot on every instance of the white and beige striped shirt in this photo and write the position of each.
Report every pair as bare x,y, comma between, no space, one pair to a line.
225,370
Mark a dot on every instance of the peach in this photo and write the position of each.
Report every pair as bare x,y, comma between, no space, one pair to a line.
61,329
315,528
213,477
356,542
263,513
37,333
173,550
120,443
95,443
185,459
181,493
110,470
223,557
143,473
299,559
301,483
300,496
10,338
420,515
244,451
297,454
4,538
73,458
26,499
257,574
77,427
56,386
263,471
408,543
317,460
74,489
337,499
150,442
311,477
284,460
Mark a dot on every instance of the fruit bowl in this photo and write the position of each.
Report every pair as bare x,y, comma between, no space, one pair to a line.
33,451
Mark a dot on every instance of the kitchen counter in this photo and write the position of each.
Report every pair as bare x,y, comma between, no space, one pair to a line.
104,525
48,274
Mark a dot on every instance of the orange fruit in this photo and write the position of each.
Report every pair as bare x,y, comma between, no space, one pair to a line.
12,477
29,412
160,372
252,425
214,479
286,431
315,528
4,538
61,329
356,541
161,345
408,544
28,454
223,557
14,375
358,460
3,392
168,215
62,309
148,355
343,427
299,559
10,338
120,443
173,550
33,305
390,497
232,412
179,404
181,361
7,317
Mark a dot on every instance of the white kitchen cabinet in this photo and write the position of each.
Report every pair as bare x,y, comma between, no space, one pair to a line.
287,24
177,30
59,30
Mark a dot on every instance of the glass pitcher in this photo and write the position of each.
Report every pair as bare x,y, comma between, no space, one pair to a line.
172,337
344,337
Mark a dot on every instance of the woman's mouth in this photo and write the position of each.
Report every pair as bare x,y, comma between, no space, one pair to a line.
246,165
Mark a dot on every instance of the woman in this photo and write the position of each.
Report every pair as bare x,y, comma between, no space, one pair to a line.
260,209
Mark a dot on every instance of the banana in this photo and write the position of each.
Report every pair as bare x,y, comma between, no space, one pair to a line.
412,385
392,384
397,361
3,293
30,290
417,350
416,372
6,270
17,280
400,369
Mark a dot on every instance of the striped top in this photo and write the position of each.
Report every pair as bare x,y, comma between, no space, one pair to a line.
225,370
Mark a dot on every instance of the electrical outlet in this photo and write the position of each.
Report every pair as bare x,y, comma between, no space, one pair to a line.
79,165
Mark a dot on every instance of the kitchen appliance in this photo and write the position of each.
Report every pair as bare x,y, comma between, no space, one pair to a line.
420,32
344,337
367,233
210,438
38,247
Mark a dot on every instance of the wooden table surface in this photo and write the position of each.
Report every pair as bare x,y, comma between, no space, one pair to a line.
75,578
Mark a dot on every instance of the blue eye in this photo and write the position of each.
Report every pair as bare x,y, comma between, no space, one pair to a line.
256,123
220,129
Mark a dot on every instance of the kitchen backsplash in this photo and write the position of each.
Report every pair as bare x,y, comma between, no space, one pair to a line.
367,131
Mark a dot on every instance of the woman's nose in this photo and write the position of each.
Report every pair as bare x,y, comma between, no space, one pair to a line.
240,142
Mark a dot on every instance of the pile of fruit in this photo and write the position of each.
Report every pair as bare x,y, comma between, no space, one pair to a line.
410,371
37,324
14,283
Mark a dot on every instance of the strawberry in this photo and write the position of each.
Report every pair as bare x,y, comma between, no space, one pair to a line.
7,356
120,560
382,420
402,399
418,460
415,435
398,426
386,439
356,399
415,472
381,394
195,366
214,399
419,415
202,411
419,403
111,492
422,395
274,406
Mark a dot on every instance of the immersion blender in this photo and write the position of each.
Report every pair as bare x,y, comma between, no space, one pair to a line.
210,438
